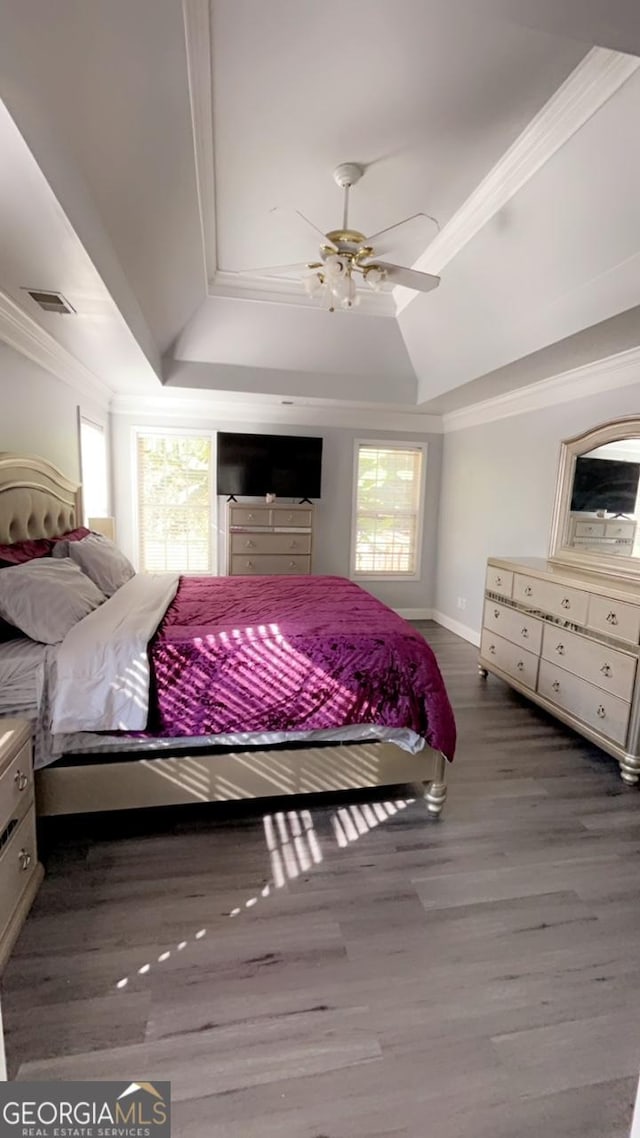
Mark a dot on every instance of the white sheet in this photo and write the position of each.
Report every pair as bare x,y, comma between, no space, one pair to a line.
100,680
21,675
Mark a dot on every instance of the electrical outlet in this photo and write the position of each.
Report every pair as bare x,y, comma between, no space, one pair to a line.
461,602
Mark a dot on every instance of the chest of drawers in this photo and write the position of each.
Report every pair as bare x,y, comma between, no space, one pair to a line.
569,641
276,538
20,871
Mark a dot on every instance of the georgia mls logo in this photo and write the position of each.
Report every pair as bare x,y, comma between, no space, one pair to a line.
133,1087
85,1110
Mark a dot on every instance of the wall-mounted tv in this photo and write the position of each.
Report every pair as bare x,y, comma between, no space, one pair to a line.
289,466
605,484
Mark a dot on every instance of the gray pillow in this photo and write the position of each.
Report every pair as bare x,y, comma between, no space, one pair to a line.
102,561
44,598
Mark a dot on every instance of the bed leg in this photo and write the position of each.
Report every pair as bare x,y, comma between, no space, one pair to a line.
436,791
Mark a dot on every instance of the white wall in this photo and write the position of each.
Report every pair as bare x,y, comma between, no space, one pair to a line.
39,413
333,512
498,487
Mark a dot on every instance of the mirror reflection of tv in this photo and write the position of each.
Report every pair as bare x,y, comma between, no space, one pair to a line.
289,466
605,484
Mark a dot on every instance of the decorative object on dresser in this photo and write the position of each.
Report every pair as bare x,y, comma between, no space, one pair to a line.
20,870
570,641
266,539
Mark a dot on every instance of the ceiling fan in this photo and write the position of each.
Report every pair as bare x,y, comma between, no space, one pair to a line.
346,253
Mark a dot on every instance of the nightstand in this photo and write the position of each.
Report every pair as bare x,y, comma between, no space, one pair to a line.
20,870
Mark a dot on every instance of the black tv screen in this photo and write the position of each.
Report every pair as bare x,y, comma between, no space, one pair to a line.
289,466
605,484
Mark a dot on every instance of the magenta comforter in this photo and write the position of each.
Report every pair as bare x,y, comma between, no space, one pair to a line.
237,654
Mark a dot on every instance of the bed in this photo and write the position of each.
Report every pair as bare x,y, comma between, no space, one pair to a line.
256,686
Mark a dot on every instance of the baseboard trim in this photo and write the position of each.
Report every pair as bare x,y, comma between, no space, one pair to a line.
415,614
462,630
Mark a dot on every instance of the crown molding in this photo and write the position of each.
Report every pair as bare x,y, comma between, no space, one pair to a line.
197,32
166,408
21,332
240,286
620,370
596,78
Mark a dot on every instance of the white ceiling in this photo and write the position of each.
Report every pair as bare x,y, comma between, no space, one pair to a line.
136,153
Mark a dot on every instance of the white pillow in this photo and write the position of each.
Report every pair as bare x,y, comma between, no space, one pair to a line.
102,561
44,598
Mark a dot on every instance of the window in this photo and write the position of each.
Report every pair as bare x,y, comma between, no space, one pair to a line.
388,503
175,501
94,469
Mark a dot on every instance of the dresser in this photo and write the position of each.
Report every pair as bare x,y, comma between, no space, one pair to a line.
570,641
269,539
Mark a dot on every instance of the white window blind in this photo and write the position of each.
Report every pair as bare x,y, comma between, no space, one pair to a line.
388,509
175,497
94,469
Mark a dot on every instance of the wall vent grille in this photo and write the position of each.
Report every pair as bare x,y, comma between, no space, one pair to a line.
51,301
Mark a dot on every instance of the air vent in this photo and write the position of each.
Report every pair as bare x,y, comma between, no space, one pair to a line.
51,301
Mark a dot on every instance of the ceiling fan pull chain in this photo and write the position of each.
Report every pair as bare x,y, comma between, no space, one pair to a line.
345,216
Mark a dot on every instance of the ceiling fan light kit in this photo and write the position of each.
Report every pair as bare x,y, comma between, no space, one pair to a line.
347,254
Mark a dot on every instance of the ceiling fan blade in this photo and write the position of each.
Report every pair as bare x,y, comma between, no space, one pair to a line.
419,222
410,278
318,232
276,270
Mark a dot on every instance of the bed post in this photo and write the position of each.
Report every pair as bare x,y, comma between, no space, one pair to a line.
436,791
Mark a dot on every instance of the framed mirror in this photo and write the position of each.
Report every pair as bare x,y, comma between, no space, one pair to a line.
596,518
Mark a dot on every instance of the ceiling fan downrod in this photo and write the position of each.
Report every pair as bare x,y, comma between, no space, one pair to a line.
347,175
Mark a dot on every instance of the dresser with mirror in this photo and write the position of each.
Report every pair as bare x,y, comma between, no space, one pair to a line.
565,631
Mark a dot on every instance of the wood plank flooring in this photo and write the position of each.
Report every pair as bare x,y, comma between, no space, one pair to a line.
348,968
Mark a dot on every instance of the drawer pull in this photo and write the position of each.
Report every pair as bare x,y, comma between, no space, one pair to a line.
556,685
565,603
560,649
520,665
528,591
249,564
601,713
524,632
21,780
292,564
492,649
250,517
249,544
293,545
289,517
24,859
612,618
606,669
498,580
496,613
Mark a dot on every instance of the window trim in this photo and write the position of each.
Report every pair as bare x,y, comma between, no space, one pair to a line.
179,432
388,444
102,428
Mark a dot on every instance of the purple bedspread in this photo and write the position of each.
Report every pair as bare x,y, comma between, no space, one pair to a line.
292,653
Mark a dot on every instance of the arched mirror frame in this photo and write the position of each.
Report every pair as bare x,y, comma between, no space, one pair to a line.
562,553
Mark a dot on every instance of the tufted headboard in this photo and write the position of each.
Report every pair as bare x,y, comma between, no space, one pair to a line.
36,500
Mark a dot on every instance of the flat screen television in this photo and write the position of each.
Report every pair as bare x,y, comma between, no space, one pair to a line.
289,466
605,484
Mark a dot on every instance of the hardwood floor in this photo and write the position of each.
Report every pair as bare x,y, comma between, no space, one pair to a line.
348,968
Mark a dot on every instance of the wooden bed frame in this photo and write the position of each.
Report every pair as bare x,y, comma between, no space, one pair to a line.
37,501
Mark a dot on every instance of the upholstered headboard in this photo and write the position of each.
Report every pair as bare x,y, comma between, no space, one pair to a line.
36,500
